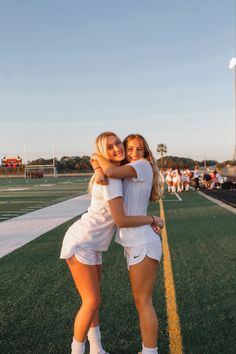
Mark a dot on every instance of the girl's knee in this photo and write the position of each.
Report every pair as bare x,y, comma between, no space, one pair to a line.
93,303
142,301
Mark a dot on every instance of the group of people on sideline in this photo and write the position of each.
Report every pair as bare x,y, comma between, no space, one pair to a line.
213,180
177,179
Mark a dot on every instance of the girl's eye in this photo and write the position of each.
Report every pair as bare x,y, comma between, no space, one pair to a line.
109,147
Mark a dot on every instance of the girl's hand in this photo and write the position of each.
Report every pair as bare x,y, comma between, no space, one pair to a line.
156,229
158,221
93,157
100,177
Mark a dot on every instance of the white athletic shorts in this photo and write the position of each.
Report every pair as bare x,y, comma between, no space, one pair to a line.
135,255
87,256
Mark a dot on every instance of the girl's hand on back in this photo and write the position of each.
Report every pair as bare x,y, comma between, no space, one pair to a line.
156,229
157,221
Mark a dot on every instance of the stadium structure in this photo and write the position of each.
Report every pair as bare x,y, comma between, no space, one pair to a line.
12,166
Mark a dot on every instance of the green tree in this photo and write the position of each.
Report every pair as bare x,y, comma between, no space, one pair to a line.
162,149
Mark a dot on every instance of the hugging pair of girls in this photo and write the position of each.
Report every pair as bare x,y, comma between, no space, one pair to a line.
125,179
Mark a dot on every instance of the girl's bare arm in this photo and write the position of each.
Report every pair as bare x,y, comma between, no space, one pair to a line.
112,171
123,220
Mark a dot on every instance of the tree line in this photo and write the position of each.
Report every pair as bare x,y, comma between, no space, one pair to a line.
66,163
82,164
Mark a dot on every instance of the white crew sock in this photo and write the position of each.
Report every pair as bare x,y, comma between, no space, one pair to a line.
94,337
77,347
146,350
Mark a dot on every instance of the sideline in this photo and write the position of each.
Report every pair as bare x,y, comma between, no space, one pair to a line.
172,313
218,202
16,232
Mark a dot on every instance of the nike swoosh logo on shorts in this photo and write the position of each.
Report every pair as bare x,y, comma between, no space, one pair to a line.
136,256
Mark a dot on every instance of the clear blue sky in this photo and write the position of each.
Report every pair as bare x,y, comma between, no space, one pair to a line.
70,69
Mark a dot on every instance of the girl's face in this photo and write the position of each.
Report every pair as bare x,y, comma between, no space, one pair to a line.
115,149
134,150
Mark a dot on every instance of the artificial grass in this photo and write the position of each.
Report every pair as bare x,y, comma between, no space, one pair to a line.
201,238
19,194
39,299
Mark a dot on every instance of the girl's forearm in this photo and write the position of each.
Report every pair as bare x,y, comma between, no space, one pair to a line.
134,221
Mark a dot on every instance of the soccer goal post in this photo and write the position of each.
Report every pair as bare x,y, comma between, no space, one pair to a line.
40,171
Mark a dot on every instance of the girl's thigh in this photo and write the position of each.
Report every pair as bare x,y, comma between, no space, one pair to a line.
86,277
143,276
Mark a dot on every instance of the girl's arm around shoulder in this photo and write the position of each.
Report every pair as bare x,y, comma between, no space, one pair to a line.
117,172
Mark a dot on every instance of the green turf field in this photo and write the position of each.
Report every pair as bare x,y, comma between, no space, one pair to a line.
39,300
20,196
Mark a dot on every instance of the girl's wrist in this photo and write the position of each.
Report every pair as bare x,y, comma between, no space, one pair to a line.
152,220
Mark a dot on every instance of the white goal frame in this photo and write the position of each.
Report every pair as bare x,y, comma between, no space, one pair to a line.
46,170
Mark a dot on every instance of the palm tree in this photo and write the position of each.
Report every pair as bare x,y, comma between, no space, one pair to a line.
162,149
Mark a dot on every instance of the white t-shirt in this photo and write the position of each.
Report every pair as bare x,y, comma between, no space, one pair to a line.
94,230
136,194
196,173
176,176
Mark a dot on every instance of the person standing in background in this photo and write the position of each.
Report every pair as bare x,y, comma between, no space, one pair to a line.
196,175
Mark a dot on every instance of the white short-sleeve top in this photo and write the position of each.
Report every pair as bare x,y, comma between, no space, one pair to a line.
94,230
136,194
196,173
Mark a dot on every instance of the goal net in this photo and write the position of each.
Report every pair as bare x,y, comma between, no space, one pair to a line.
40,171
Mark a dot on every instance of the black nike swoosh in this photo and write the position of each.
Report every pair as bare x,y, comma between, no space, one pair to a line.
136,256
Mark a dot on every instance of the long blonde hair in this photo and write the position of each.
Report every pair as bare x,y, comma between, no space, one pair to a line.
101,149
157,184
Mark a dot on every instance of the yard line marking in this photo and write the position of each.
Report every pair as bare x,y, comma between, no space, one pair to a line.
7,215
172,313
178,197
172,200
12,212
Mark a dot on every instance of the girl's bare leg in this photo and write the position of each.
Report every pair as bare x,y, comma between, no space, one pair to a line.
88,285
142,278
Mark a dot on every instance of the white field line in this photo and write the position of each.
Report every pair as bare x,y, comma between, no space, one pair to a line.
29,209
18,202
13,189
173,200
178,197
32,207
7,215
218,202
12,212
18,231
